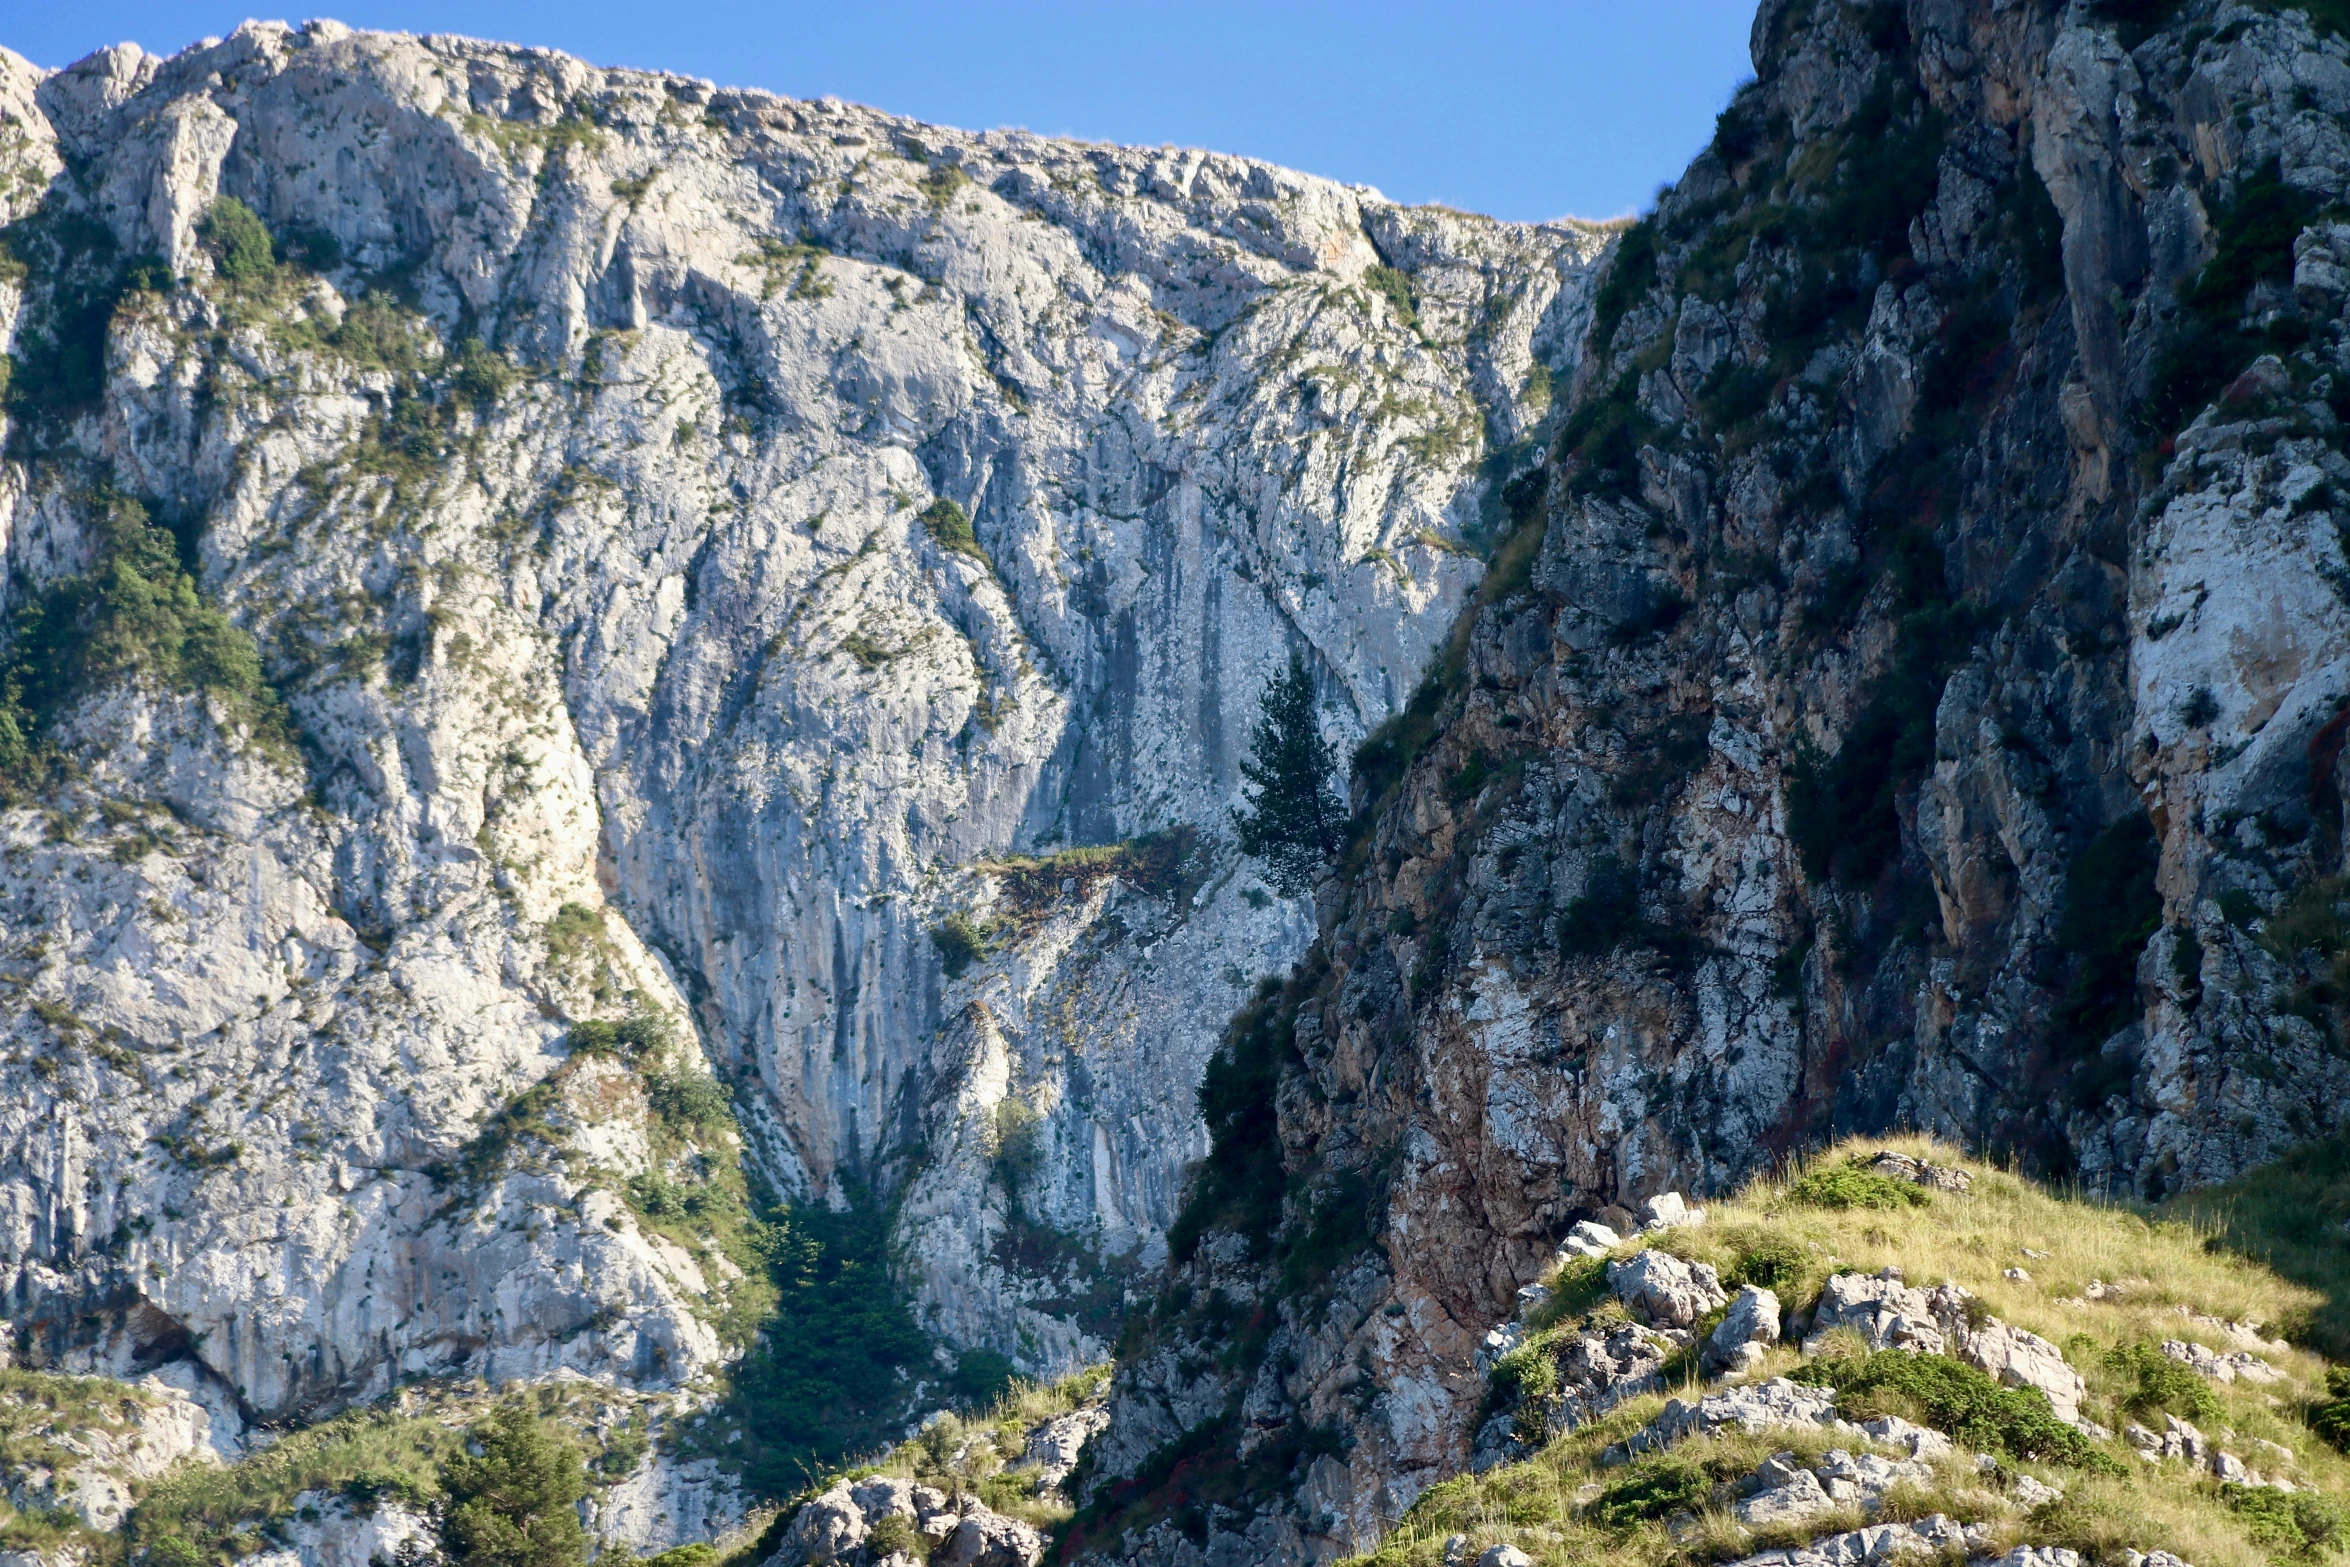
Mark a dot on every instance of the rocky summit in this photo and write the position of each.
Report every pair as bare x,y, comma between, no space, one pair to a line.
737,830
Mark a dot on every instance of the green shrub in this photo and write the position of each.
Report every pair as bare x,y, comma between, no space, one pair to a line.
1848,1186
1893,145
1771,1263
1239,1186
202,1513
1396,288
239,241
1631,273
1843,811
961,941
1580,1285
941,184
690,1102
830,1380
1958,1400
514,1502
1527,1376
981,1377
2209,346
2298,1525
638,1036
371,1488
700,1555
2161,1385
950,525
2329,1417
574,930
1652,1488
1606,914
482,375
136,615
2311,920
624,1450
1600,442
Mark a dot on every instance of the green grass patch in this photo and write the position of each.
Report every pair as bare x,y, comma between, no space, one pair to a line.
950,527
1848,1186
198,1514
2289,1216
1958,1400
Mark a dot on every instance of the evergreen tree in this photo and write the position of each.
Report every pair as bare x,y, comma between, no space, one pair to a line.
517,1503
1295,821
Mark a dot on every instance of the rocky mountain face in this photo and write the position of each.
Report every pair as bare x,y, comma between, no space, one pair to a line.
1912,694
677,553
591,655
592,651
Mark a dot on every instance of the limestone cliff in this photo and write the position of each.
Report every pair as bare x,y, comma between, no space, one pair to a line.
1912,696
498,544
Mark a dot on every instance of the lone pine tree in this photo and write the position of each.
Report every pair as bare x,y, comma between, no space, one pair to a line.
1294,820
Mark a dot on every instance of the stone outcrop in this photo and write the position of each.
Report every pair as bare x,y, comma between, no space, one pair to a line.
2205,1361
1745,1333
1887,1542
1784,1491
1889,1314
845,1525
1921,1172
1665,1291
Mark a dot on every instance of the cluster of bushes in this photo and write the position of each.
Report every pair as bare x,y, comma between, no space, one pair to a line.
134,614
1848,1186
504,1490
828,1379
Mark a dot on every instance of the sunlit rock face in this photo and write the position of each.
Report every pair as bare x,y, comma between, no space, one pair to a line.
702,550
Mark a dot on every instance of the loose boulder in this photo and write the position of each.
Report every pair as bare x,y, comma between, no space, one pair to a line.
1662,1289
1739,1341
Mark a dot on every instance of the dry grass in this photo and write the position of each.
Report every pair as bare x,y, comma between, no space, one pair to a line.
2195,1257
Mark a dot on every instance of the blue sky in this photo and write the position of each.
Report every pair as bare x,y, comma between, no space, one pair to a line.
1521,110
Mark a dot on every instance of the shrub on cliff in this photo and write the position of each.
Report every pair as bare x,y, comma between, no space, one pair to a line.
239,241
135,614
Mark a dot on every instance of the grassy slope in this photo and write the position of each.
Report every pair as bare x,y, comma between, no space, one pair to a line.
2291,1215
2191,1259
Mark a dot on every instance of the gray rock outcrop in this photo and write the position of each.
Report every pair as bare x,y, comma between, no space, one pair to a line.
1739,1341
1892,1315
1664,1290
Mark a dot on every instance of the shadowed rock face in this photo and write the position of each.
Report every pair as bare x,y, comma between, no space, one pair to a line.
694,538
1923,708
